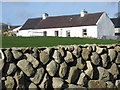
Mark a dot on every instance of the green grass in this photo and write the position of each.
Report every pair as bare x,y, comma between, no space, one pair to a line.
8,42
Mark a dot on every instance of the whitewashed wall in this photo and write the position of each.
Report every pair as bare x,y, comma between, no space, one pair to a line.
105,26
74,31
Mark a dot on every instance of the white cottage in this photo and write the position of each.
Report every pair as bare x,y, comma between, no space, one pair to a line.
96,25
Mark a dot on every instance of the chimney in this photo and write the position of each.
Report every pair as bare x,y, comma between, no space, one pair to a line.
83,12
45,15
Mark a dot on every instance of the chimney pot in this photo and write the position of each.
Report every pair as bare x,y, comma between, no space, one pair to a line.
83,12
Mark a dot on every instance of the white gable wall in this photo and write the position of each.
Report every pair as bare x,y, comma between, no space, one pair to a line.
105,26
74,31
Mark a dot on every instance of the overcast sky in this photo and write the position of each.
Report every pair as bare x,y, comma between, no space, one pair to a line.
16,13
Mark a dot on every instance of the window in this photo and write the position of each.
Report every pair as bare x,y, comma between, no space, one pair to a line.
84,32
56,33
67,33
45,33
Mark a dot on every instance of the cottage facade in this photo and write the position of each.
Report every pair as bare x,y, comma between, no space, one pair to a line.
96,25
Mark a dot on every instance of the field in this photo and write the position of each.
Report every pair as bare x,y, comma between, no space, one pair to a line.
8,42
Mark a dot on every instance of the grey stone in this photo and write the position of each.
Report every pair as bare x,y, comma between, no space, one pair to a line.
103,74
73,75
82,81
74,87
57,56
62,51
12,68
26,67
90,48
49,50
117,48
57,82
9,83
35,53
118,58
85,53
117,84
110,84
44,57
114,70
45,82
63,69
52,68
96,84
1,60
80,63
99,50
105,60
89,70
77,51
112,54
9,55
95,58
17,54
69,57
2,78
1,55
32,60
20,79
69,48
93,48
32,86
38,76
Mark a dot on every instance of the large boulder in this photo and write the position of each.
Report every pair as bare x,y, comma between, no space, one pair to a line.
117,61
38,76
44,57
45,82
73,75
105,60
85,53
52,68
26,67
89,70
57,56
77,51
69,57
96,84
32,60
9,82
95,58
80,63
11,69
103,74
114,70
112,54
57,82
82,81
63,69
17,54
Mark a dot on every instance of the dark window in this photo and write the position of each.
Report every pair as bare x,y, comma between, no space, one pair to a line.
56,33
84,32
68,33
45,33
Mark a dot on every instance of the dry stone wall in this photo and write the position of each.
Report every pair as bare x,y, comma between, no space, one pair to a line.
64,67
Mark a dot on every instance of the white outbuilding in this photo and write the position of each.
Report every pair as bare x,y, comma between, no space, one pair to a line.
95,25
